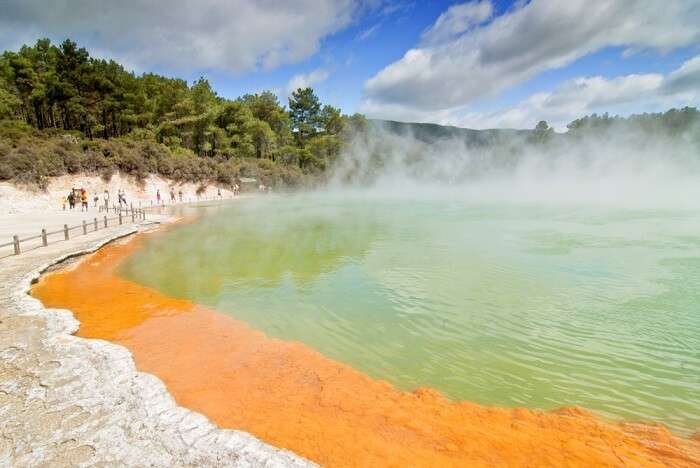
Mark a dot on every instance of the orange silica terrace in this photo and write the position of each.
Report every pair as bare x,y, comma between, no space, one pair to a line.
291,396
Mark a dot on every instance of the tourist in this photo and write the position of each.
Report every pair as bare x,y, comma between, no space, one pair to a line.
71,200
218,192
83,200
95,199
63,203
105,197
158,196
172,195
180,194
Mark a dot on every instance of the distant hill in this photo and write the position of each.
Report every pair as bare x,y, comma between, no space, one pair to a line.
429,132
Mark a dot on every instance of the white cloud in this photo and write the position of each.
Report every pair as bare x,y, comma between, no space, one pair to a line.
461,62
369,32
457,20
306,80
685,79
570,100
232,35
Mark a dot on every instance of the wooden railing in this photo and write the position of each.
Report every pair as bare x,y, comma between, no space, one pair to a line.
122,215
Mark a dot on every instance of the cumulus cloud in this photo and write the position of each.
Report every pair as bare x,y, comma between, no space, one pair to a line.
457,20
231,35
570,100
581,96
306,80
685,79
462,59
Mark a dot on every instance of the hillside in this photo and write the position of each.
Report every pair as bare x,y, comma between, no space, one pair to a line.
430,133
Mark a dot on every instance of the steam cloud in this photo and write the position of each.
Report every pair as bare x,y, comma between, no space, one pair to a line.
624,164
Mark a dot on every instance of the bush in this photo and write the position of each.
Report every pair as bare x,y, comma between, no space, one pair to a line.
31,156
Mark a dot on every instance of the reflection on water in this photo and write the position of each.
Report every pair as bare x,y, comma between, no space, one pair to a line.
509,305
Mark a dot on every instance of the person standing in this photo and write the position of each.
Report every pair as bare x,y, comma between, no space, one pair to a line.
158,196
71,200
105,197
180,194
63,202
83,200
172,195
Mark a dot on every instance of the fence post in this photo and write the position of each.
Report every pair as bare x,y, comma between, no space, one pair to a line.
44,240
15,239
95,224
84,227
65,231
120,216
105,222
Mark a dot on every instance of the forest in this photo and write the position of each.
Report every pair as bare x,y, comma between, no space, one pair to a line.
63,111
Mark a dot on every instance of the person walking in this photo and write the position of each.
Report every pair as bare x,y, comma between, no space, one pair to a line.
71,200
105,198
158,196
83,200
180,194
172,195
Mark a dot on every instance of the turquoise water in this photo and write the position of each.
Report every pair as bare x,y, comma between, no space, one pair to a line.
503,304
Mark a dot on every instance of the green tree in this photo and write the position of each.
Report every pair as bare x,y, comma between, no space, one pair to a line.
304,111
331,120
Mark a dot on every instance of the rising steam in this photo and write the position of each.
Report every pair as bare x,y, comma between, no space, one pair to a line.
623,164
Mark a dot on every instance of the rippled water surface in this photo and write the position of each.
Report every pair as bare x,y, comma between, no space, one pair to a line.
503,304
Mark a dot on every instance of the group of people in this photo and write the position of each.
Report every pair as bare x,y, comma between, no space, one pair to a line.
80,196
173,198
75,197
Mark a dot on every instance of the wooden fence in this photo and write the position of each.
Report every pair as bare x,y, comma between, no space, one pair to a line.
122,215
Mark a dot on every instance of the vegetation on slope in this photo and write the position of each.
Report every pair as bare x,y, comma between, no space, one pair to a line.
62,111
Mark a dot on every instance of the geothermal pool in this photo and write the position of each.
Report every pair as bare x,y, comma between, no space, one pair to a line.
507,304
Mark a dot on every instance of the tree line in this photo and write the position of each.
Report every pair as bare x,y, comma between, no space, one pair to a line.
61,87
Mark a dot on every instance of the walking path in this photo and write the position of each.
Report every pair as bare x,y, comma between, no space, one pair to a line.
66,400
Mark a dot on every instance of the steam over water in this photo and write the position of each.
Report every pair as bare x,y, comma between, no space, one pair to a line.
487,298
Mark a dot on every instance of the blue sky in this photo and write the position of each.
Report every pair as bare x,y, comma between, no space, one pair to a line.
479,64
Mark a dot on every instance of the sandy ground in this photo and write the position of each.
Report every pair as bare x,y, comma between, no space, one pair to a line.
25,211
69,401
18,200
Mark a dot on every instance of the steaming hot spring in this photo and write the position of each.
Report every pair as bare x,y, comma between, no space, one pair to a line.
288,313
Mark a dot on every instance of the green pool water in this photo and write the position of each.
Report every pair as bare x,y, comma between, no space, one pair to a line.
504,304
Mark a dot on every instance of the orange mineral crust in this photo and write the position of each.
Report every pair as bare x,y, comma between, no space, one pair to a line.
291,396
